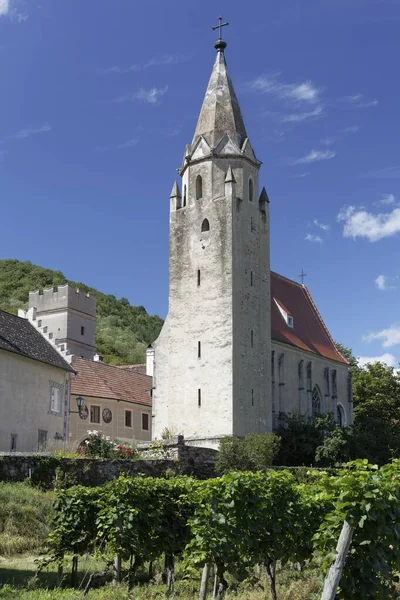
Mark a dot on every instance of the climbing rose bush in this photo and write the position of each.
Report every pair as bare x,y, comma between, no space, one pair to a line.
98,445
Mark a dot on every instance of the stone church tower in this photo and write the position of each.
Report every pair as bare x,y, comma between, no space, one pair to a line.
212,358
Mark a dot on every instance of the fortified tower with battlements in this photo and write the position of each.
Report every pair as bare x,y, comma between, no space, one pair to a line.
67,318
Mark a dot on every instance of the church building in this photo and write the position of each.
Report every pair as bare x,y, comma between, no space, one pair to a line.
241,344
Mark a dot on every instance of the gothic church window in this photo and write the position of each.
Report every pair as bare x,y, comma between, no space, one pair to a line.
301,375
334,383
205,226
316,401
199,187
281,366
326,381
341,418
251,190
309,383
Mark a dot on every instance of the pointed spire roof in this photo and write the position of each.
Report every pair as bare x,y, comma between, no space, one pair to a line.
230,178
220,113
175,192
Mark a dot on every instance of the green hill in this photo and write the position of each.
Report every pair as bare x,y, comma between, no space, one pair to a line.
123,331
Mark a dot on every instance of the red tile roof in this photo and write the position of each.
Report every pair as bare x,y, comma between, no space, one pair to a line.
137,368
97,379
309,331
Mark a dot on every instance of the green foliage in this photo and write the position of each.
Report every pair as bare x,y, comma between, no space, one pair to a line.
255,451
98,445
123,331
376,393
369,499
25,514
300,438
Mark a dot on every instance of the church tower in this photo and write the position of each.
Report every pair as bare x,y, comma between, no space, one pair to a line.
212,358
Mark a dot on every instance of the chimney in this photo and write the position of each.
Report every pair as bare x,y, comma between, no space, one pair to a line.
98,358
150,360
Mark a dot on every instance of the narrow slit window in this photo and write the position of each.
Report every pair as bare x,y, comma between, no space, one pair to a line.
199,397
199,187
205,226
82,330
198,349
184,195
251,278
252,338
252,397
198,277
251,190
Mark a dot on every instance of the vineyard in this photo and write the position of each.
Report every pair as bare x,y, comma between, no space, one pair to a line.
236,525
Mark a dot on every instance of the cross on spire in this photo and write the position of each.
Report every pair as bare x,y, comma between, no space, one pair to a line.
220,26
302,276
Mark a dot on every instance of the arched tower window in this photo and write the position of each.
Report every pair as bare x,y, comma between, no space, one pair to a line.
301,375
251,190
184,196
199,187
316,401
205,226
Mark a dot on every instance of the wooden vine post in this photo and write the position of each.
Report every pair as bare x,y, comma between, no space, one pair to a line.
335,572
204,582
117,559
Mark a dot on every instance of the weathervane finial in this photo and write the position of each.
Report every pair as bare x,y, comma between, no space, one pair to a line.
220,45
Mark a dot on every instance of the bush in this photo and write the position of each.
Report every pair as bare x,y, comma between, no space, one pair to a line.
256,451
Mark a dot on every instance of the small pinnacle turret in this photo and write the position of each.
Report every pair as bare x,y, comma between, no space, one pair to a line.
230,178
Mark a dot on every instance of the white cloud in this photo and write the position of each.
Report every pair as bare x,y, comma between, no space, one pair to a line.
313,156
351,129
25,133
302,116
4,8
386,358
385,283
390,336
154,62
122,146
358,101
151,96
321,225
301,175
300,92
310,237
388,199
361,223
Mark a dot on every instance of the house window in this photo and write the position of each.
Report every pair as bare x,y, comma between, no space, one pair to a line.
145,421
251,190
198,277
334,383
82,331
42,439
205,226
94,414
198,349
341,416
199,187
301,375
198,397
316,401
56,395
13,446
128,418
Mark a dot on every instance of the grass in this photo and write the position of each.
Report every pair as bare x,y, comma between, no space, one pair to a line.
19,583
25,516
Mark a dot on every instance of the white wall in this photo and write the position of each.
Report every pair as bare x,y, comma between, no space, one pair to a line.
25,401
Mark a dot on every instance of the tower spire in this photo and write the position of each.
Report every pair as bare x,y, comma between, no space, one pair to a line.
220,113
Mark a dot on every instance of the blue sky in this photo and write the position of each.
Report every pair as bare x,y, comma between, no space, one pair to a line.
99,98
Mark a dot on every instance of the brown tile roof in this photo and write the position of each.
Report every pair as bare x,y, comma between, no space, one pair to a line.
18,335
309,331
97,379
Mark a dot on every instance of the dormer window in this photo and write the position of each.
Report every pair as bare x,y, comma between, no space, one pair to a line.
287,316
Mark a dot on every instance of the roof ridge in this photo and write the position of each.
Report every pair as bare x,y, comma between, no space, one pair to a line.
314,307
104,364
288,279
12,315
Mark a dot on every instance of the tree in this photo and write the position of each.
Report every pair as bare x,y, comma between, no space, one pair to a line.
376,393
254,452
